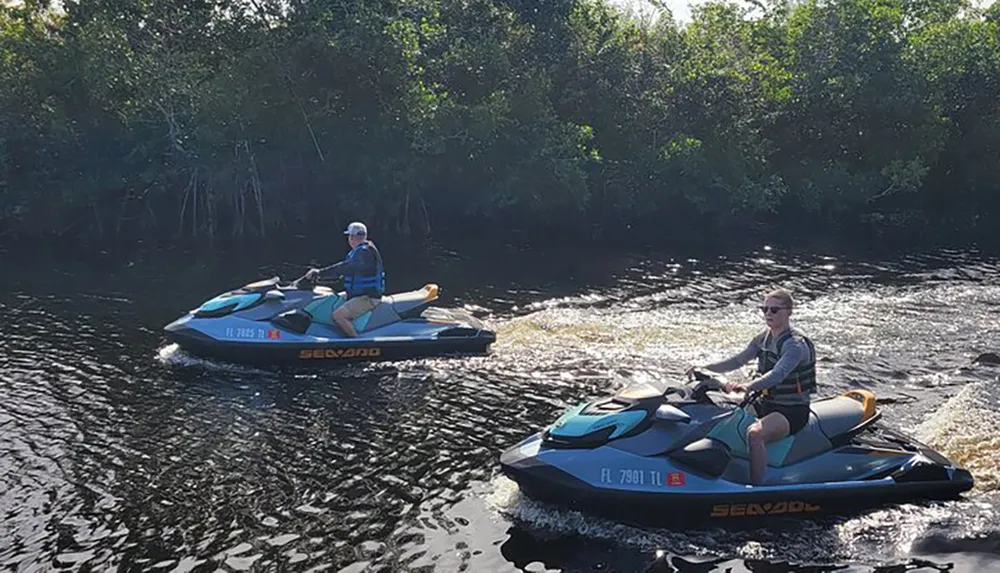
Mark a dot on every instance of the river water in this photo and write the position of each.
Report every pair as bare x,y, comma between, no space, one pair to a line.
119,452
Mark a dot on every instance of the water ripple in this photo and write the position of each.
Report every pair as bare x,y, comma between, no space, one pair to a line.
119,452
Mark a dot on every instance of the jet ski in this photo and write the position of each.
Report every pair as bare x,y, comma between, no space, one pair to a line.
273,322
675,453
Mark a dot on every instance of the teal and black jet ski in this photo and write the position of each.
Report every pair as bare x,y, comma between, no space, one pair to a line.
272,322
669,454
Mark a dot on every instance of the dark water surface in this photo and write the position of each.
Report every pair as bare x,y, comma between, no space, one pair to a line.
118,452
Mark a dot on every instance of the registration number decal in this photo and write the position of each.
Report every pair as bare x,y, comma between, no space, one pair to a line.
630,476
253,333
246,333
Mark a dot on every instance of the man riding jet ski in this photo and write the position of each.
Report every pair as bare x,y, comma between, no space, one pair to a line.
786,377
364,277
677,453
268,322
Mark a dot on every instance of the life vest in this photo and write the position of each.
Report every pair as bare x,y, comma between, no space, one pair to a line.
360,284
802,380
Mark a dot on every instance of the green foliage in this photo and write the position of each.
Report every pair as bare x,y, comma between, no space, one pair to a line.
199,117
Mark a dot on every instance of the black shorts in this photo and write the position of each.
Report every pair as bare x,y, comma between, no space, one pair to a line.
797,416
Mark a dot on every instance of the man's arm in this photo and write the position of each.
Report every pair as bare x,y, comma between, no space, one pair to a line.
355,265
734,362
333,270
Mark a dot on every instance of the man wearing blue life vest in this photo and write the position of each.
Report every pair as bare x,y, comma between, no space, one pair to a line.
786,365
364,277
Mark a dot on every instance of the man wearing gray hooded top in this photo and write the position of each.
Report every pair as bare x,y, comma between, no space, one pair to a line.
786,364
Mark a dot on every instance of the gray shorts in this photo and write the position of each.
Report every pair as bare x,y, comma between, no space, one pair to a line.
358,305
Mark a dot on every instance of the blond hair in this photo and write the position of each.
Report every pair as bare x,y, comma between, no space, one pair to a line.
783,295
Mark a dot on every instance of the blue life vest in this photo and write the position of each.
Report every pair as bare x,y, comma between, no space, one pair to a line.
360,284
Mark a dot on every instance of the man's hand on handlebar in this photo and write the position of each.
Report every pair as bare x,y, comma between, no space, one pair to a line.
736,387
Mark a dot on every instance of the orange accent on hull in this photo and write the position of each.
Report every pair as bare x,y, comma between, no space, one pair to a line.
867,400
432,292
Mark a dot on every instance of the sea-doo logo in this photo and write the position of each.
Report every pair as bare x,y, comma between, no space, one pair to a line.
274,334
336,353
776,508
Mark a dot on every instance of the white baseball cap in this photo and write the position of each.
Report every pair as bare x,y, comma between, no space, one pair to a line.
356,228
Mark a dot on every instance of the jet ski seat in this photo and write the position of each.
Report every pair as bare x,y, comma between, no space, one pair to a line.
390,309
399,306
829,419
406,302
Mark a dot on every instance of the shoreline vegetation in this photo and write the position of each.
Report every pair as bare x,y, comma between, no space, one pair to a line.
239,120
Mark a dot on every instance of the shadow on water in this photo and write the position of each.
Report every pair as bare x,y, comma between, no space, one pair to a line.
117,451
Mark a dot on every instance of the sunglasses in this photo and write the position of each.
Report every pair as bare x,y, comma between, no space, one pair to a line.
771,309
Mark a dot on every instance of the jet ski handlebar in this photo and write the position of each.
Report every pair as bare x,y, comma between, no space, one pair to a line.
702,382
304,278
307,280
750,398
705,382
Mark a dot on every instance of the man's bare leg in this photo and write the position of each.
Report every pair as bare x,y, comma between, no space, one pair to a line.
343,319
770,428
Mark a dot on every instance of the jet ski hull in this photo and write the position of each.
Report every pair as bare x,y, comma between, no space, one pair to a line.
678,455
458,341
674,495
